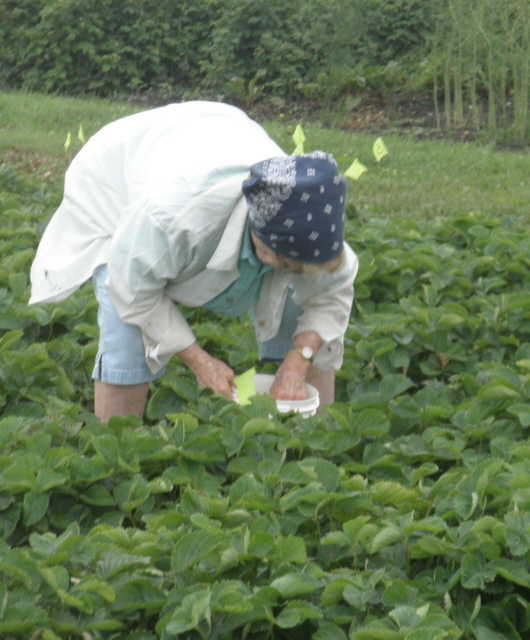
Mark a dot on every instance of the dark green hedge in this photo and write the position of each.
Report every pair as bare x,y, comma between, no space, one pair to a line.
102,46
108,47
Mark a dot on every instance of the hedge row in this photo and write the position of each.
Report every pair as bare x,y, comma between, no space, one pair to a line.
109,47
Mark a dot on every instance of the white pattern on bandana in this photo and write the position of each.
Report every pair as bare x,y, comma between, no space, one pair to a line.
279,174
322,155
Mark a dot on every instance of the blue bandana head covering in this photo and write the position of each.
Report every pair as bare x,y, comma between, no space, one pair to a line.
297,206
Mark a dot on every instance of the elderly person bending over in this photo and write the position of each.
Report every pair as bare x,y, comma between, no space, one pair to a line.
194,204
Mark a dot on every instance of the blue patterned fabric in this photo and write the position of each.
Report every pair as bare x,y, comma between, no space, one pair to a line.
297,206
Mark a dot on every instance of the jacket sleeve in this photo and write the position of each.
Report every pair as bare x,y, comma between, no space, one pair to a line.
141,261
326,300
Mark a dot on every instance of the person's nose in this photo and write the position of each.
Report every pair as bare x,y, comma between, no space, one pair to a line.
273,260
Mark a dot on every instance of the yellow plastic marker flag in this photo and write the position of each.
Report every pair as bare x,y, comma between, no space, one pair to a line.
299,138
245,386
356,170
68,141
81,134
380,150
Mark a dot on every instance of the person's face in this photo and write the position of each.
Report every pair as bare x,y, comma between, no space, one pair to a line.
268,256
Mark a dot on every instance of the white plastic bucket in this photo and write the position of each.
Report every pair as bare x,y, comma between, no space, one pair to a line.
307,407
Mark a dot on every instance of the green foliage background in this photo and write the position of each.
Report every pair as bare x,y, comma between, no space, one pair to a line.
402,513
100,47
472,55
120,46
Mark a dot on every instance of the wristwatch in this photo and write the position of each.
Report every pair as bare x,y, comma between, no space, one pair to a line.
306,352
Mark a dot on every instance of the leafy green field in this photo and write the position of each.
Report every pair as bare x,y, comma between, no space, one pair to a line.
400,514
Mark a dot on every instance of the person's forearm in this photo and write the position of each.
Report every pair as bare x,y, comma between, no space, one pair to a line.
193,356
308,339
294,360
290,378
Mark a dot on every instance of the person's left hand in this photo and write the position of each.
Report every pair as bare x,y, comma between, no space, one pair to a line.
289,382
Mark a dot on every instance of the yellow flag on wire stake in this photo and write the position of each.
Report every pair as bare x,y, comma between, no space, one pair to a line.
81,134
356,170
299,139
68,141
380,150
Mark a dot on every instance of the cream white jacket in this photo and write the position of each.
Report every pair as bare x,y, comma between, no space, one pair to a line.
157,197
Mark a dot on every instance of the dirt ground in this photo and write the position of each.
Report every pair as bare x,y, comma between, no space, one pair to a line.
399,112
408,114
413,115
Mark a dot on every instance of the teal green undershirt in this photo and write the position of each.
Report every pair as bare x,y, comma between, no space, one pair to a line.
244,292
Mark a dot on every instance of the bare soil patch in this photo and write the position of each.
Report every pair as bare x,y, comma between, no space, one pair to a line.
406,114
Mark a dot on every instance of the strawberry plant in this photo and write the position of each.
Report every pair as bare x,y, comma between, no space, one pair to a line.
401,513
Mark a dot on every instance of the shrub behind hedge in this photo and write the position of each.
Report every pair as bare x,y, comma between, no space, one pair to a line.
105,47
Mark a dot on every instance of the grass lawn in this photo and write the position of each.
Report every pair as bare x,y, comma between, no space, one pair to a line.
418,179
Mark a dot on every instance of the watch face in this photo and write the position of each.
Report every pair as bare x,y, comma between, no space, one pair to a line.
307,352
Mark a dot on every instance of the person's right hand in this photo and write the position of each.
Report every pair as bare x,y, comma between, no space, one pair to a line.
217,375
209,371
